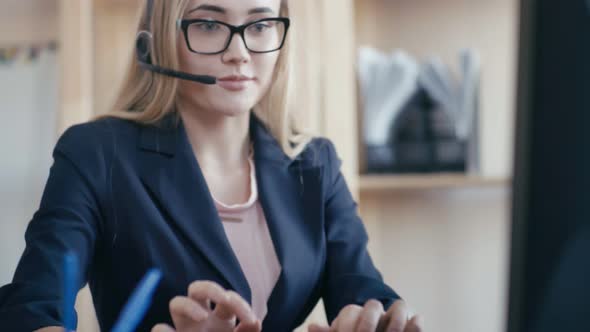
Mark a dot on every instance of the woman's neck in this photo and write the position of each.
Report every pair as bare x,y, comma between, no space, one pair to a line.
220,142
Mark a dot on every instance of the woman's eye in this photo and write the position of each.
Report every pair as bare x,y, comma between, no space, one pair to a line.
260,27
208,26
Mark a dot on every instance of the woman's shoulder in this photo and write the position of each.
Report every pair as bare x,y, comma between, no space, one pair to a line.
99,132
96,139
97,129
319,151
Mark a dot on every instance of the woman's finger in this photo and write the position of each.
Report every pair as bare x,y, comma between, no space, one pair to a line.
415,324
318,328
249,327
397,316
234,306
347,318
370,315
206,292
185,312
163,328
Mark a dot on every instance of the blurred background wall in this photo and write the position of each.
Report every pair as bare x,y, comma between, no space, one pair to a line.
439,239
29,107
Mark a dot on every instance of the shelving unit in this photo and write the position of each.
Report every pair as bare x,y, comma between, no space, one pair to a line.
440,239
388,183
442,28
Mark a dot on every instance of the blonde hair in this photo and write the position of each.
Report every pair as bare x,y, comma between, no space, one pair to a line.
146,97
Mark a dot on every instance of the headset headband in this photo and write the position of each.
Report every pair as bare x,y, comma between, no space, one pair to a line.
148,15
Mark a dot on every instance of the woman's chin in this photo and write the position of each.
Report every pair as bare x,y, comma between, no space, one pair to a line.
234,105
233,110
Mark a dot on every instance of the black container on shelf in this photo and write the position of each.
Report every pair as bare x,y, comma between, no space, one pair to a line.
422,140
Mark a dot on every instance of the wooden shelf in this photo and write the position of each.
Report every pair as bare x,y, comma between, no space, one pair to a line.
389,182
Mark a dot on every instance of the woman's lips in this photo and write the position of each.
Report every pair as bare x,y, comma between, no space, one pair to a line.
234,83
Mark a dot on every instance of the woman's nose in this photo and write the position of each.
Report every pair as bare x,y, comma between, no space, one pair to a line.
236,51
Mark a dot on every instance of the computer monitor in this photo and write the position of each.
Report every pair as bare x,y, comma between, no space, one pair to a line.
550,253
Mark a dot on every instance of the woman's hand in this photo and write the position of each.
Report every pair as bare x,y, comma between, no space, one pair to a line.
193,313
372,318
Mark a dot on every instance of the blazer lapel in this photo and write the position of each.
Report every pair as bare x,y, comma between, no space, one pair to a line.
290,195
171,174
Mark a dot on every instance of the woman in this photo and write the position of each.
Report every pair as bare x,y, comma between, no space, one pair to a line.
249,220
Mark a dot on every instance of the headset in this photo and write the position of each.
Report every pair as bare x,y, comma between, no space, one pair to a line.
143,44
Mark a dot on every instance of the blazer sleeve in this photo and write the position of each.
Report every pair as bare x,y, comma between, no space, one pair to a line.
350,276
68,219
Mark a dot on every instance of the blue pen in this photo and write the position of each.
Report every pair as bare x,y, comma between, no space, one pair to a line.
138,303
70,285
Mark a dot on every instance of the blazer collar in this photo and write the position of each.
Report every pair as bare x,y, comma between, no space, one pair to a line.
167,135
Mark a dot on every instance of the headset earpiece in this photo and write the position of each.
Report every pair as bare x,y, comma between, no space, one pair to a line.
143,44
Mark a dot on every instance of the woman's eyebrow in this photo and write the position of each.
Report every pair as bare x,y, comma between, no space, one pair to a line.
217,9
260,10
210,8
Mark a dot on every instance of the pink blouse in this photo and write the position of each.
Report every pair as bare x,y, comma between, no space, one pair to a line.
248,234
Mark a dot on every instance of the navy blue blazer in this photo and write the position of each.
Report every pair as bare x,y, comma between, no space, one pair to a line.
128,197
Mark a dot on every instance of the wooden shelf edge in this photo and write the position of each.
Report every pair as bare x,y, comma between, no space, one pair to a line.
395,182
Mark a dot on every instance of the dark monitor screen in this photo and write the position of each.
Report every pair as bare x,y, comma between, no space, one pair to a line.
550,253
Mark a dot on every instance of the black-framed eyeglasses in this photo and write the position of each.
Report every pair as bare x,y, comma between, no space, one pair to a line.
214,37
